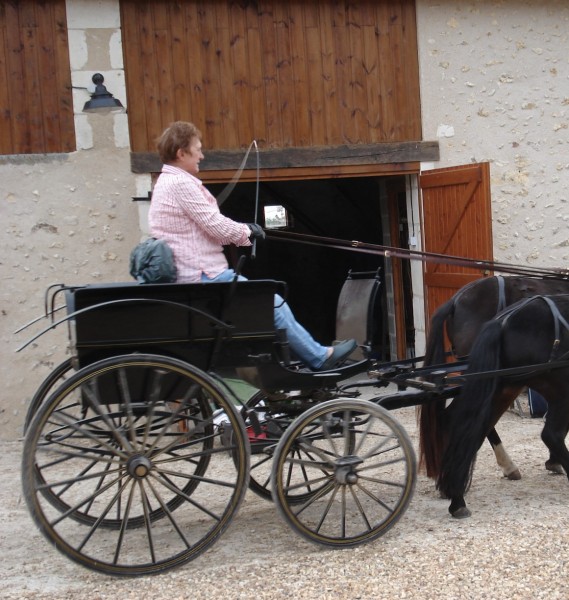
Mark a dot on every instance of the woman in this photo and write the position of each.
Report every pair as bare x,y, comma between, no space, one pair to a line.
187,217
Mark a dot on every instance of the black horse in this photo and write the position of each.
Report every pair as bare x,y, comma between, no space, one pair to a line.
462,318
531,339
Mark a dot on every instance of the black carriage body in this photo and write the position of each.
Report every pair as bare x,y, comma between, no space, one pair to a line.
205,324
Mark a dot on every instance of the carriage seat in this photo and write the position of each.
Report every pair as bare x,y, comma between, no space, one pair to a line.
359,313
209,325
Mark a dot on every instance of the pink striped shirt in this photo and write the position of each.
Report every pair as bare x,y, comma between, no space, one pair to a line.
185,215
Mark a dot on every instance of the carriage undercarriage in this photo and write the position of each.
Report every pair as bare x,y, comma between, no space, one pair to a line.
138,453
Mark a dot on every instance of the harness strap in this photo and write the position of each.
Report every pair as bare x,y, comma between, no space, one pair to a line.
558,320
501,293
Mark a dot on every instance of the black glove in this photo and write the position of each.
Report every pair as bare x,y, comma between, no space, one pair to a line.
256,231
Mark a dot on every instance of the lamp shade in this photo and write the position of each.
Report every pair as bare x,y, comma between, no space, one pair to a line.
101,100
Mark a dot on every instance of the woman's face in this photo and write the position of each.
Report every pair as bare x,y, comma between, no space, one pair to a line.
189,158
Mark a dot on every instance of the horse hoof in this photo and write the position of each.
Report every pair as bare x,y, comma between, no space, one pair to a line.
555,468
461,513
515,475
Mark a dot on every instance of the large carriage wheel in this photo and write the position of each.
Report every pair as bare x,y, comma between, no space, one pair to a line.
361,459
124,442
58,376
57,496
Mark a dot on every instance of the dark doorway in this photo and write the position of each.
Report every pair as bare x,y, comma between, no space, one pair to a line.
347,208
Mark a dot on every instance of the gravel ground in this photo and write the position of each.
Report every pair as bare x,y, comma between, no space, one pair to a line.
515,546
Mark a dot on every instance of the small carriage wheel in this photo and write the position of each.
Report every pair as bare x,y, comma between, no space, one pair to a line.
367,462
123,442
59,375
264,429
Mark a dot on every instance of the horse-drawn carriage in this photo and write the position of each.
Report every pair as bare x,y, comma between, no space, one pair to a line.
138,453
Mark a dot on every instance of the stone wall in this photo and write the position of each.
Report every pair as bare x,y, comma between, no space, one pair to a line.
65,218
495,87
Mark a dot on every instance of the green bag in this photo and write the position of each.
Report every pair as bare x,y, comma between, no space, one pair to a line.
152,261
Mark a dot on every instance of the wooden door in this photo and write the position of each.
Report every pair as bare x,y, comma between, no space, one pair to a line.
457,221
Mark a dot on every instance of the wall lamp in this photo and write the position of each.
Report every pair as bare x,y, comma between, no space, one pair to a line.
101,100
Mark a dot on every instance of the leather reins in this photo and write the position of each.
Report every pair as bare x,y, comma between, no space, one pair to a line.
431,257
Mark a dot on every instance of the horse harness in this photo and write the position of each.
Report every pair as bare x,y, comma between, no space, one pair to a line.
558,321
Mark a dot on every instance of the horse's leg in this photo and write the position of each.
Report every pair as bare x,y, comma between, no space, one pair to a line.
552,464
501,404
458,508
554,432
503,459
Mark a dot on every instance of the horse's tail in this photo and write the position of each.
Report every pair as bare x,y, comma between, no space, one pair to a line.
470,414
430,416
435,344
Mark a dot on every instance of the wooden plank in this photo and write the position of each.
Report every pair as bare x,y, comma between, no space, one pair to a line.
132,73
163,51
359,80
15,63
162,48
6,141
135,22
65,116
411,83
240,83
267,32
368,154
197,98
329,79
213,89
449,177
256,81
342,70
286,106
387,55
337,171
150,90
49,91
370,66
300,76
228,103
178,48
314,66
32,97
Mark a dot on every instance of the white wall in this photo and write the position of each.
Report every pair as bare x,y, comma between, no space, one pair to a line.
65,217
495,87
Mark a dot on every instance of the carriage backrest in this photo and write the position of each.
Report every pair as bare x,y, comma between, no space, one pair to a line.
203,323
359,314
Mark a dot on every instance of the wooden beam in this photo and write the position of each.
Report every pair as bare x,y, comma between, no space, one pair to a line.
314,157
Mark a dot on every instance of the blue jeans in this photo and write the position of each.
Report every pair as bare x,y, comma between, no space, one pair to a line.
302,344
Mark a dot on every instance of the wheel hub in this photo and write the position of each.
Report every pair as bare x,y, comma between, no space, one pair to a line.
138,466
345,469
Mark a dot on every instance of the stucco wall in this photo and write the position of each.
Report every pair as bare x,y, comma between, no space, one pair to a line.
495,87
65,218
